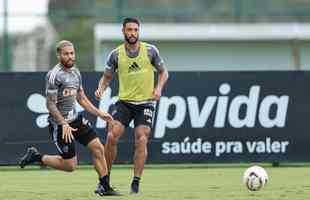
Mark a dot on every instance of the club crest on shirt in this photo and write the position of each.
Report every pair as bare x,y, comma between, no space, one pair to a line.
69,92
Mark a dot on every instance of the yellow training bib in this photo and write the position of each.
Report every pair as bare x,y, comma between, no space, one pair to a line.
136,75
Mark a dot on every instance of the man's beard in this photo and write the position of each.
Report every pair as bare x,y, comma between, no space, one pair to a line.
67,65
130,41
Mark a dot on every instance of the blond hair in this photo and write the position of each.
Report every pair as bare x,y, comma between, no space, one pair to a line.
63,43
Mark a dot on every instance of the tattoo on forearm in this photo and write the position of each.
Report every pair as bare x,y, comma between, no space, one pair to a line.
53,110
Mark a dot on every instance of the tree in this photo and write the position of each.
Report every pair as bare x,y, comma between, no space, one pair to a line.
73,21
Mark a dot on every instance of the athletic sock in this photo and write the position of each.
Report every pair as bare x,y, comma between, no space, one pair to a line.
136,179
135,185
104,181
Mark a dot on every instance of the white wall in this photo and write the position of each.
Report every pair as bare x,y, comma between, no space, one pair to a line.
205,47
224,55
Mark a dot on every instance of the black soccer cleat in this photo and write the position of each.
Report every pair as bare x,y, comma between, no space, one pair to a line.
134,187
31,156
101,191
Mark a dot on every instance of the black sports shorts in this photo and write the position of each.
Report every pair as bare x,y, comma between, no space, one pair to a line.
142,114
84,134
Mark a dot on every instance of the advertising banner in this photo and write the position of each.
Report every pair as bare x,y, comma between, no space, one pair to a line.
202,117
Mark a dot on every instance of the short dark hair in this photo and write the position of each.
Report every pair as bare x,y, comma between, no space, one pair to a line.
130,20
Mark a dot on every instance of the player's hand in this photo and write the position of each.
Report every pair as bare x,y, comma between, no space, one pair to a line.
157,94
67,133
98,94
106,117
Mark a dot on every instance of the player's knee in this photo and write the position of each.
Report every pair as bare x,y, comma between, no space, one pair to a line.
112,139
142,132
70,167
117,128
141,141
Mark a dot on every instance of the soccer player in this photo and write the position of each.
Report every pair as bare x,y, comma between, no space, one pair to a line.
135,62
63,89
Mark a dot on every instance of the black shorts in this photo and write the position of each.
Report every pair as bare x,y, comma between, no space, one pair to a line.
142,114
83,135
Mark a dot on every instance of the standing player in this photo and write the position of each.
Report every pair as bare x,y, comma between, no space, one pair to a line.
134,61
63,89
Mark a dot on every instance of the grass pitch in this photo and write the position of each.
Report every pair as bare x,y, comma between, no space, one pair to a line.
158,183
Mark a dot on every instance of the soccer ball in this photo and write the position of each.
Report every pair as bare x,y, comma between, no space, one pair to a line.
255,178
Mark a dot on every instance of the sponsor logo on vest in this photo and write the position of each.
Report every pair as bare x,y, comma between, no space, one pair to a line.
134,67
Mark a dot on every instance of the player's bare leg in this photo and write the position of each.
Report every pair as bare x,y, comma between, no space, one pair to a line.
97,150
99,161
116,130
141,137
55,161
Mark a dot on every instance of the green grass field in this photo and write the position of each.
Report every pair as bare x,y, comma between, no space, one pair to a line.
158,183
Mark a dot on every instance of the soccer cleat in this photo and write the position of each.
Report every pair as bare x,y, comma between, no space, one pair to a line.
134,187
101,191
31,156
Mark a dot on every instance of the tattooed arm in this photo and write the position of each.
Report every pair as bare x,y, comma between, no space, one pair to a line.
53,110
67,135
51,98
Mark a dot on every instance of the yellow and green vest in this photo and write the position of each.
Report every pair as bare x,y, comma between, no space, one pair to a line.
136,75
